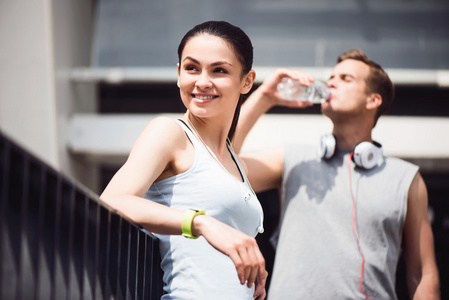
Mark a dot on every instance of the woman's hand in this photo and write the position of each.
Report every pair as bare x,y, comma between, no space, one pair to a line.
241,248
260,292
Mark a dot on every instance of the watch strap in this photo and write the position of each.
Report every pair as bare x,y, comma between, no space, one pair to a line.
187,221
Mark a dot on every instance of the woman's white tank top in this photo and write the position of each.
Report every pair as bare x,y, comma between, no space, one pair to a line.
193,269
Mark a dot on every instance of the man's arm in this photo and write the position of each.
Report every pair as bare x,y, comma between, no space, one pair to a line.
264,98
264,169
422,273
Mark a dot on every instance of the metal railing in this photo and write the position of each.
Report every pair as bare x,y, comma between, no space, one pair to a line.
59,242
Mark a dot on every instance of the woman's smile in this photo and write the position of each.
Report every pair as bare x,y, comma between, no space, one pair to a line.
204,98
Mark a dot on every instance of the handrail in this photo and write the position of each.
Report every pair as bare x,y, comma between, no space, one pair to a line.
58,241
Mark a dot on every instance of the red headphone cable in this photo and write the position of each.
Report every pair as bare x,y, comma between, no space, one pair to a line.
353,229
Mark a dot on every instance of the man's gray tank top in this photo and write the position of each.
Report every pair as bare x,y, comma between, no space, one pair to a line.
193,269
317,255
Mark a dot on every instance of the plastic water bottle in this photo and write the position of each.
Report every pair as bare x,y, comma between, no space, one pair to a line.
290,89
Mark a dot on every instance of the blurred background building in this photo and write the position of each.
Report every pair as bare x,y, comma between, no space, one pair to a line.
79,79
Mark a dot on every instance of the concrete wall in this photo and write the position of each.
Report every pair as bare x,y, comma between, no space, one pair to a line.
42,41
27,87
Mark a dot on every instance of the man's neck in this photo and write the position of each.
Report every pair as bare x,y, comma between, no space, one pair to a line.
349,136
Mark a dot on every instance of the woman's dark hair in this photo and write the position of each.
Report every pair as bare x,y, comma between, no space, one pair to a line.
239,42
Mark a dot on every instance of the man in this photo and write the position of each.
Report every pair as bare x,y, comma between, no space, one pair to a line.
343,223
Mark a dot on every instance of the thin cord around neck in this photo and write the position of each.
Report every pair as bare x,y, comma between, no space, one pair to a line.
228,144
205,145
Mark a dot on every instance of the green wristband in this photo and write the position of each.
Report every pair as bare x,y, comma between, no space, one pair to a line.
187,221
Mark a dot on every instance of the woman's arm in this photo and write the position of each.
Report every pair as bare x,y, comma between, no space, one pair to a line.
241,248
151,157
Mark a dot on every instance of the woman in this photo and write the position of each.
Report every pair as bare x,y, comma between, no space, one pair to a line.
179,168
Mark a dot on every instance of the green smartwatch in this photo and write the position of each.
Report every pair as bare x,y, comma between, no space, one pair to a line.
187,221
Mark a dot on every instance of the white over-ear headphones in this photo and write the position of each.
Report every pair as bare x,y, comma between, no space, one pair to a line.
365,154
